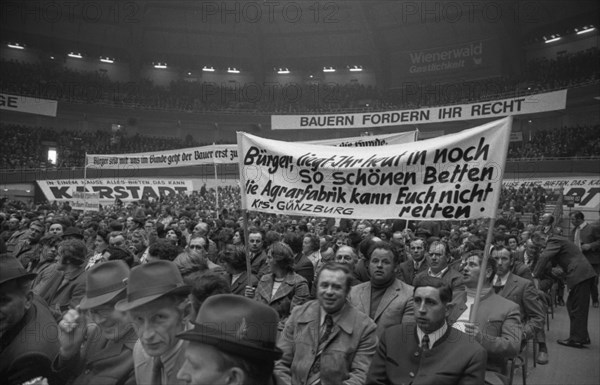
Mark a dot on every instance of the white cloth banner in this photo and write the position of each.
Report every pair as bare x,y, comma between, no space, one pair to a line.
126,189
85,201
530,104
455,176
222,153
28,105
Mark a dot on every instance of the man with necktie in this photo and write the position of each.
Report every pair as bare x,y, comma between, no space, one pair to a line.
158,304
327,341
428,350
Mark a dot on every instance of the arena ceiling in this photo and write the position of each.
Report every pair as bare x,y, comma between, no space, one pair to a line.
262,34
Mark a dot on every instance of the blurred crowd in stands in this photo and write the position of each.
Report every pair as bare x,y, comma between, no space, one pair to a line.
27,148
53,81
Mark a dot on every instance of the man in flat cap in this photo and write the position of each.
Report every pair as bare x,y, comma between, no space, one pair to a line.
28,340
233,342
159,308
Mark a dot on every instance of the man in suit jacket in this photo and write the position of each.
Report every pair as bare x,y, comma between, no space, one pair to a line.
497,325
67,288
24,355
258,255
427,350
579,276
522,292
327,339
408,270
437,259
99,351
587,237
385,299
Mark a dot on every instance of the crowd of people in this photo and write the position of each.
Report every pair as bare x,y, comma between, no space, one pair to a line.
24,147
174,290
51,80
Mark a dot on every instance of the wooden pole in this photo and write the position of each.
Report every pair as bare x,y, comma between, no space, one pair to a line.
246,245
483,267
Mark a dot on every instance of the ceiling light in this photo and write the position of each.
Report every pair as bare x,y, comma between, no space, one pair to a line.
75,55
328,69
160,65
208,69
557,38
233,70
283,71
15,46
356,69
590,29
106,60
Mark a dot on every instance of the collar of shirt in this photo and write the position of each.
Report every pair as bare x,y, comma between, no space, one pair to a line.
503,279
434,336
417,265
335,316
235,277
440,274
582,225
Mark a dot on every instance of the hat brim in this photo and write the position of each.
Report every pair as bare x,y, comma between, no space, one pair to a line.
126,305
230,345
27,276
89,303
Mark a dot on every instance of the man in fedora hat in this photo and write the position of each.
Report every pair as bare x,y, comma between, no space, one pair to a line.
158,306
100,350
27,329
233,342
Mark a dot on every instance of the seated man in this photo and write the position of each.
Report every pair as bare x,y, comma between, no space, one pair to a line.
427,350
385,299
327,340
522,292
497,325
233,342
23,355
159,308
437,258
98,351
346,255
408,270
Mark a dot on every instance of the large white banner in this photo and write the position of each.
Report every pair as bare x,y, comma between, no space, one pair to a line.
455,176
125,189
550,101
222,153
28,105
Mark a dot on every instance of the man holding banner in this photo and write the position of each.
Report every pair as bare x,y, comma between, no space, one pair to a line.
453,177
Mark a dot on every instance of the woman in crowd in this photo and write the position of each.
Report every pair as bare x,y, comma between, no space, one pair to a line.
234,262
283,288
176,237
100,245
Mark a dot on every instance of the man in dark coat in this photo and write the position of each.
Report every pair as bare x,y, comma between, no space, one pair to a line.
579,276
99,351
222,345
408,270
586,236
428,351
26,352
